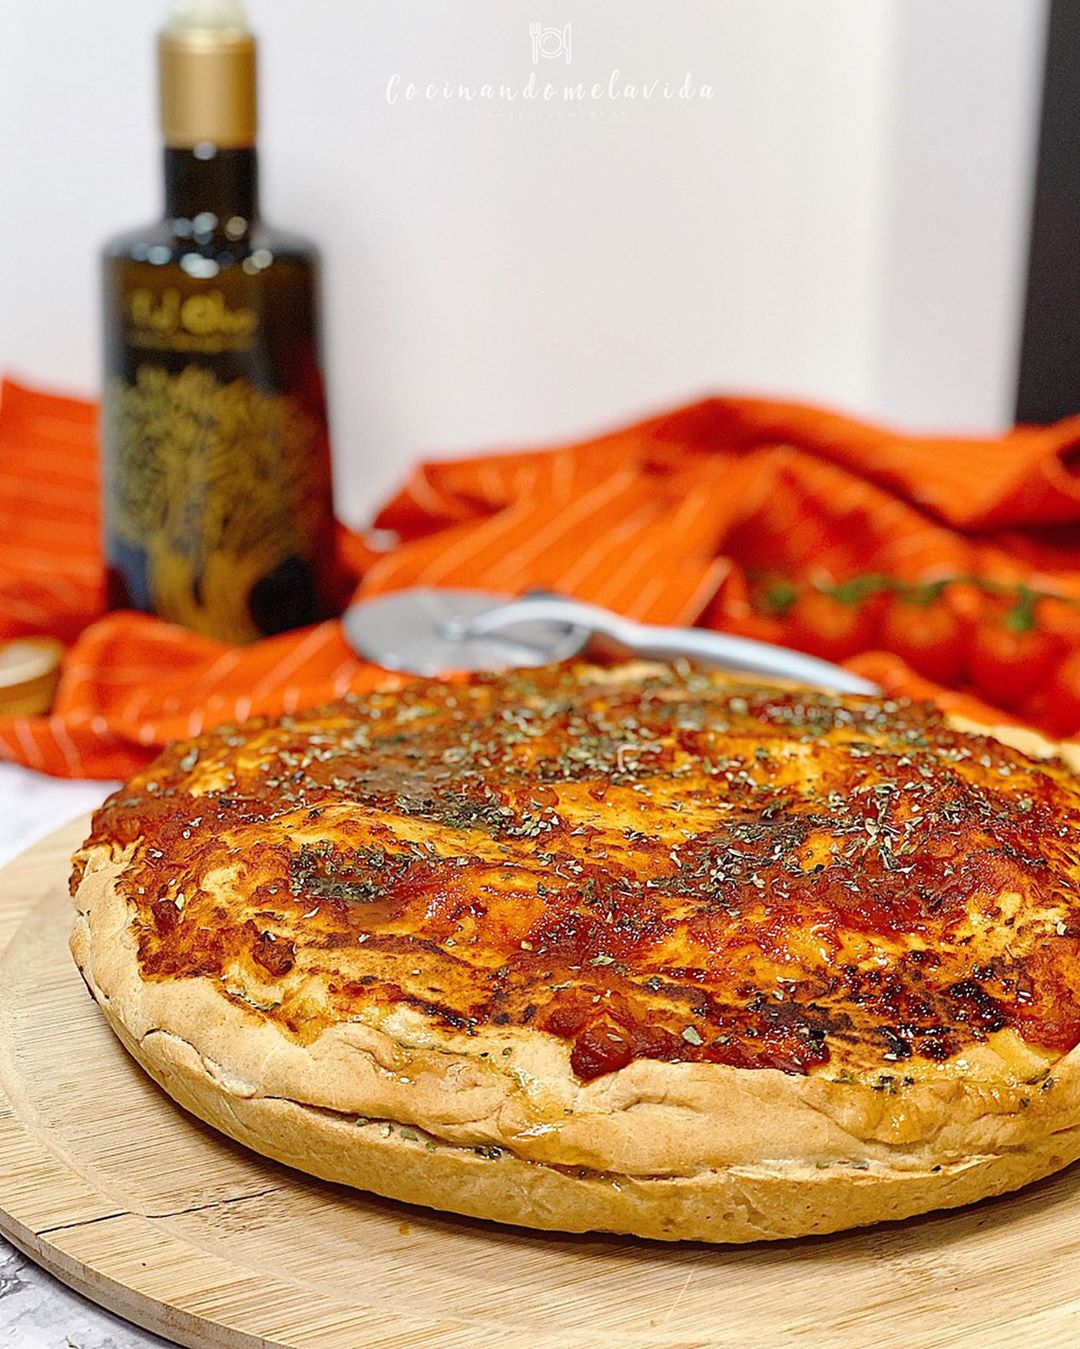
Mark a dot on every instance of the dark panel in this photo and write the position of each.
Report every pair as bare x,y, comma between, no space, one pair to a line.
1049,384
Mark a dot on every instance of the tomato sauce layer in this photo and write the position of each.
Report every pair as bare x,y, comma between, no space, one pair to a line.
671,866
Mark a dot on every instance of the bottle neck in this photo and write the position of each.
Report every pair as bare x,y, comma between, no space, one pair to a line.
206,181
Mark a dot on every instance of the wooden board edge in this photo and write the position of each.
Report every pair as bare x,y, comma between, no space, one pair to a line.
70,1244
20,885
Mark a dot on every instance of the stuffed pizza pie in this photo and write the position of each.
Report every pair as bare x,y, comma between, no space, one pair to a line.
642,949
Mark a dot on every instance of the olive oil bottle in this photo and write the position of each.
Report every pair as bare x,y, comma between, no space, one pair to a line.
218,504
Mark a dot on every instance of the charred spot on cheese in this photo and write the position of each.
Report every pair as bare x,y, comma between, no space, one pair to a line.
667,865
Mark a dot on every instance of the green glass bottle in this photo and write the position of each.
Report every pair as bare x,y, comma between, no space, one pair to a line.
217,487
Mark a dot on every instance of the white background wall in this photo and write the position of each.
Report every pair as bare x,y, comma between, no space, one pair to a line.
845,220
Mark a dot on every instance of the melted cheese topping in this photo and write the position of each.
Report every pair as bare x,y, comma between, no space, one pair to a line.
663,864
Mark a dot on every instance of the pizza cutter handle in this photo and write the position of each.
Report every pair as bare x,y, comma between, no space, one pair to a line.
651,641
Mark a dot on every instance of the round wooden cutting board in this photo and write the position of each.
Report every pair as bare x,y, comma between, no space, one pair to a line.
122,1195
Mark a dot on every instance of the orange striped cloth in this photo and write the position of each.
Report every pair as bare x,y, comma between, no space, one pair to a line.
662,520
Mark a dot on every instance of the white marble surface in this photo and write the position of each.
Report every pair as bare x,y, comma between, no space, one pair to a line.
36,1310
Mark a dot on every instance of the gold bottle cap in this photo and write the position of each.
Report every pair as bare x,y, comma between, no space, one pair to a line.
206,67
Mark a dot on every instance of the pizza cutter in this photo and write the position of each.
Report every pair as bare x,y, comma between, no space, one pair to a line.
431,631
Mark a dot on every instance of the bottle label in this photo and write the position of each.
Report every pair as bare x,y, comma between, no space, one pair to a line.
218,496
202,322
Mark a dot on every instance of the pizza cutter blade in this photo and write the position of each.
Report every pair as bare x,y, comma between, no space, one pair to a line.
432,631
425,631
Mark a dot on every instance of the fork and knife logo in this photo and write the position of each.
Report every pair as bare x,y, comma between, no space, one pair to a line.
549,43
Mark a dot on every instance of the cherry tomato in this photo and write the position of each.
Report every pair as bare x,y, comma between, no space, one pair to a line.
1059,616
927,633
829,627
1057,704
735,608
967,600
1009,656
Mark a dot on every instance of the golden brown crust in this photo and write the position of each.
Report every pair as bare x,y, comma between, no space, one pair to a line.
737,1203
849,1156
493,1120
